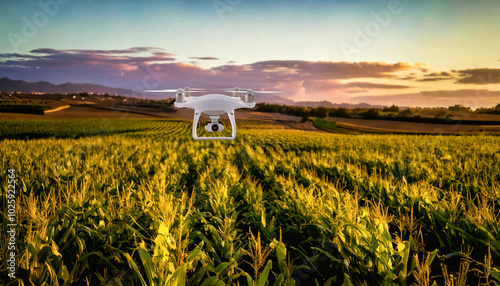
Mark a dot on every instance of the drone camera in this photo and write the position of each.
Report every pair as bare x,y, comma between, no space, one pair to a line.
214,127
213,105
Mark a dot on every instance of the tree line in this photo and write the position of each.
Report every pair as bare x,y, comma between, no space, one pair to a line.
450,114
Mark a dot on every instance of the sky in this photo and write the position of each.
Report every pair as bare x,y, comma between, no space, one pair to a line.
403,52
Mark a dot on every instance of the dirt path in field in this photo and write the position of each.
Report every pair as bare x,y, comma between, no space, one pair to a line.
57,109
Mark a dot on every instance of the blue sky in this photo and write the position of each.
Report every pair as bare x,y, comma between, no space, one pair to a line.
454,37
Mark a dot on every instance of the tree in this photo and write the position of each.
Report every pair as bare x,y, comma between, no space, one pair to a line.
341,112
371,113
393,108
405,113
300,111
321,112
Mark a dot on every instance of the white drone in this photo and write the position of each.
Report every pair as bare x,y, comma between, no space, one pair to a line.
213,105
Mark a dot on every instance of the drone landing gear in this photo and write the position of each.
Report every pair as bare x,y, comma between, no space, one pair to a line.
214,126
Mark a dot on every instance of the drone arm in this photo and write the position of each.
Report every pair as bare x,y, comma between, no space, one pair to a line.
233,124
196,118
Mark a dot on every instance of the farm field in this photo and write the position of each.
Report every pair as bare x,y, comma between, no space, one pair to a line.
110,108
139,202
388,126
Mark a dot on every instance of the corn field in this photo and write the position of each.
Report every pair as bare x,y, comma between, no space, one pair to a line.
139,202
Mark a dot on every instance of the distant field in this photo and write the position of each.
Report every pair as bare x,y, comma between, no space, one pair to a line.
139,202
79,111
344,125
29,107
386,126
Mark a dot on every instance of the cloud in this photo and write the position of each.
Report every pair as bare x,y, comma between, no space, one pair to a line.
375,85
108,67
480,76
437,74
322,84
133,50
51,58
163,54
44,62
141,68
333,70
205,58
308,80
46,51
409,76
434,79
17,56
356,90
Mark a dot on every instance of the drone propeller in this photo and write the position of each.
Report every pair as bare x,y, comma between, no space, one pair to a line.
228,89
236,90
187,89
161,90
233,90
195,89
266,91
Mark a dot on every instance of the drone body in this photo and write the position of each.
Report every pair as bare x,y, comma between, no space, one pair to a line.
214,105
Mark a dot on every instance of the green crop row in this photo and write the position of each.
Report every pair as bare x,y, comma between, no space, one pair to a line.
141,203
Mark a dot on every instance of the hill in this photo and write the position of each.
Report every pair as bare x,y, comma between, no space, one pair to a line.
9,85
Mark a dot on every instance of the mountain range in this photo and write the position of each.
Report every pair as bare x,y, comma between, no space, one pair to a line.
9,85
